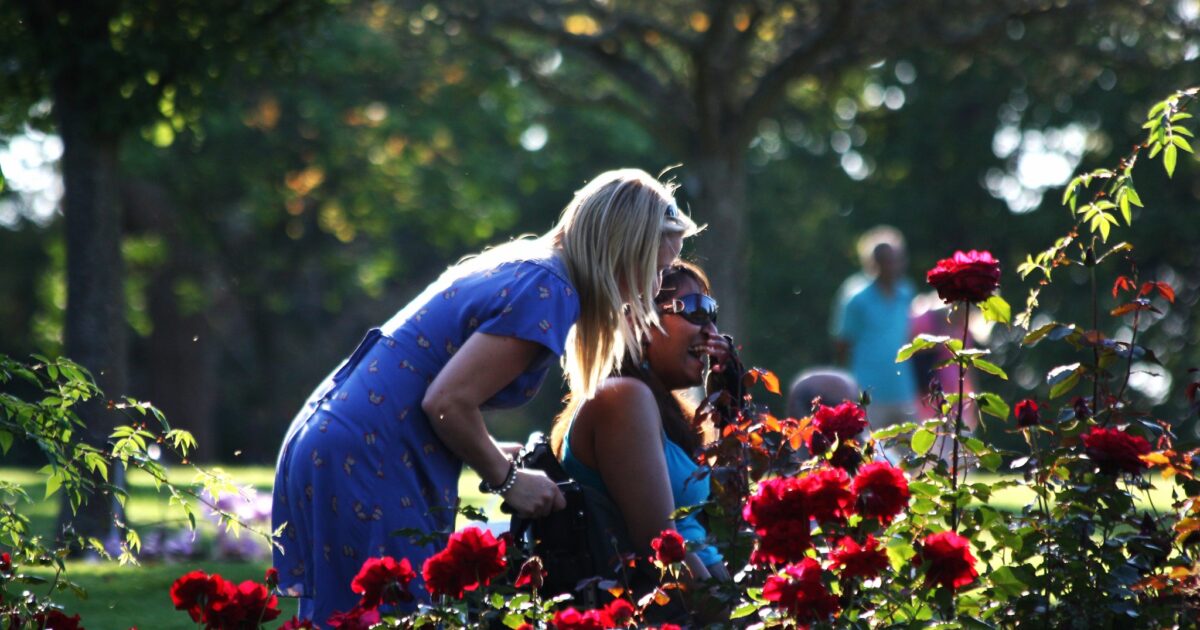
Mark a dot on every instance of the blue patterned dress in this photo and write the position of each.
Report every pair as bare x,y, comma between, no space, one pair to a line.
361,461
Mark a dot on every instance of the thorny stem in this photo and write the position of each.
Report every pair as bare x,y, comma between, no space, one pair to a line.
1096,337
958,421
1129,365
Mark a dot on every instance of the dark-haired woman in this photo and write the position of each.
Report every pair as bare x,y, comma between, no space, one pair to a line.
636,441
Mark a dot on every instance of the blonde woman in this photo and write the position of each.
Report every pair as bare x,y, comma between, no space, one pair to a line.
379,446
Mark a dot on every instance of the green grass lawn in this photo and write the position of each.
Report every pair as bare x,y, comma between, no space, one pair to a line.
121,597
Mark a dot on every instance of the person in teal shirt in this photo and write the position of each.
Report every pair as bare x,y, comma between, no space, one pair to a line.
871,321
636,441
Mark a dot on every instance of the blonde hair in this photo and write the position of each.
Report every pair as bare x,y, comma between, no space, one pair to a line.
608,236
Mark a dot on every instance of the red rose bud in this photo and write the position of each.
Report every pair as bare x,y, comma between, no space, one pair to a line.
271,577
383,581
1114,450
854,560
668,547
1027,413
948,561
532,574
801,593
1080,406
969,277
880,492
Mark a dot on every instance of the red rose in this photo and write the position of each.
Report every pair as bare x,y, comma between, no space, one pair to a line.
827,494
56,620
854,560
948,559
880,491
669,626
1027,413
271,577
5,563
801,593
246,606
1114,450
844,421
532,574
295,623
619,612
198,593
782,542
525,626
383,581
479,552
444,576
356,618
471,558
777,499
571,619
668,547
969,277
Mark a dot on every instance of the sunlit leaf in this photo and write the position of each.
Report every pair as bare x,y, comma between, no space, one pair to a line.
996,309
922,441
1169,157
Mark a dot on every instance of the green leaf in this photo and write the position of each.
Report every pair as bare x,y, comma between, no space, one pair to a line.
745,610
1126,212
1169,157
1061,373
991,404
1064,385
990,368
1105,227
894,430
53,483
1182,143
6,441
1133,196
996,309
920,342
922,441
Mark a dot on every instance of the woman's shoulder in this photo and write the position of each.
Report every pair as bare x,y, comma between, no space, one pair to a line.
621,401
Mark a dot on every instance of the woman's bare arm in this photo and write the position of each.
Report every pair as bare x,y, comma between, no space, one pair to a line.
483,366
625,428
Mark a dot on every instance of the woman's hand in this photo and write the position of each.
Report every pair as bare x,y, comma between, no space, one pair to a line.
719,347
534,495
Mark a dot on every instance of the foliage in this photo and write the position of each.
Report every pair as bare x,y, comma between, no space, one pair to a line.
38,405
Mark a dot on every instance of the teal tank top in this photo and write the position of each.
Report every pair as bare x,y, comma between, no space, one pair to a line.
687,488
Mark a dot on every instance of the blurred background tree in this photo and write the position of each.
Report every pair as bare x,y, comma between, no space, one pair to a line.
304,197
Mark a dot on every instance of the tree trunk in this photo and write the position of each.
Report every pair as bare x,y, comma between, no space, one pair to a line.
95,334
175,368
717,183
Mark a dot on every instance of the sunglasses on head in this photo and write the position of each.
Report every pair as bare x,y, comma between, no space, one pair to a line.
697,308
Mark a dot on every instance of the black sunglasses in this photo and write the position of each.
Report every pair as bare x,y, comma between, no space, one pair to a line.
697,308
